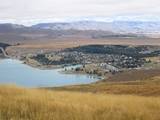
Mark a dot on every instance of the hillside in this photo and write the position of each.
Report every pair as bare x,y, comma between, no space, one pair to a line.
25,104
134,82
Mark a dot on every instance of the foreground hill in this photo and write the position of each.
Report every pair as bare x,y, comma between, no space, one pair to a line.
134,82
122,97
32,104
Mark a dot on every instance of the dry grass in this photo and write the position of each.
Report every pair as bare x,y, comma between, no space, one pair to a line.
154,59
142,87
32,104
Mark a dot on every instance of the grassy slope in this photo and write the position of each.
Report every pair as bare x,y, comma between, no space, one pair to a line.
137,99
139,82
147,88
30,104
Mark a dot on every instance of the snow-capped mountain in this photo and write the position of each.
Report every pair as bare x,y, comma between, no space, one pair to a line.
136,27
81,25
85,29
115,26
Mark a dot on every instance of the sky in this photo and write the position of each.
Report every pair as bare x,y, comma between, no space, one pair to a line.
32,11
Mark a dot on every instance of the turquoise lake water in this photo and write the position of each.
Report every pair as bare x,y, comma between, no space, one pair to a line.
17,73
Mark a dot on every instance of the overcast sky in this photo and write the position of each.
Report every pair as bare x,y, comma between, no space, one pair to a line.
23,11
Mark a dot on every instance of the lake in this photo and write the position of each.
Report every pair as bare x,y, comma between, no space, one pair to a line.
17,73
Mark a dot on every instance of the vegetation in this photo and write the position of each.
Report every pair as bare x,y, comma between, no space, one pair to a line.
134,51
138,82
44,60
129,88
137,99
33,104
4,45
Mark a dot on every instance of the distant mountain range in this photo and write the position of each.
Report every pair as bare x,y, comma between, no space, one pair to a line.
82,29
134,27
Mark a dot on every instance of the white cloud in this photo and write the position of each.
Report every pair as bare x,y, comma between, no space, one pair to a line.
22,10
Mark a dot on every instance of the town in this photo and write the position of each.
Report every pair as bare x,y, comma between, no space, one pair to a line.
97,59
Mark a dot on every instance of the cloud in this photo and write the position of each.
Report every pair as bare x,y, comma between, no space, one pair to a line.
20,10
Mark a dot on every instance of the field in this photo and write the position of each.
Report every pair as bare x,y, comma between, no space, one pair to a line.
33,46
32,104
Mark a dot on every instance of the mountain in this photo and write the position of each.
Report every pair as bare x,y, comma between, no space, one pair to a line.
78,30
117,27
81,25
122,27
84,30
136,27
8,27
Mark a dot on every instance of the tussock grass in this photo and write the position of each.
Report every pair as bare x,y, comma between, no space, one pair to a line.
33,104
147,87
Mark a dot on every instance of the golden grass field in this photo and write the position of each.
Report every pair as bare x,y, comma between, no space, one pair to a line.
119,100
33,104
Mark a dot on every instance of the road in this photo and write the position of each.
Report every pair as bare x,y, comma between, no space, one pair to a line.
4,52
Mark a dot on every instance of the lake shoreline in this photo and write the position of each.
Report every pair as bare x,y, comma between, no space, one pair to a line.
24,75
